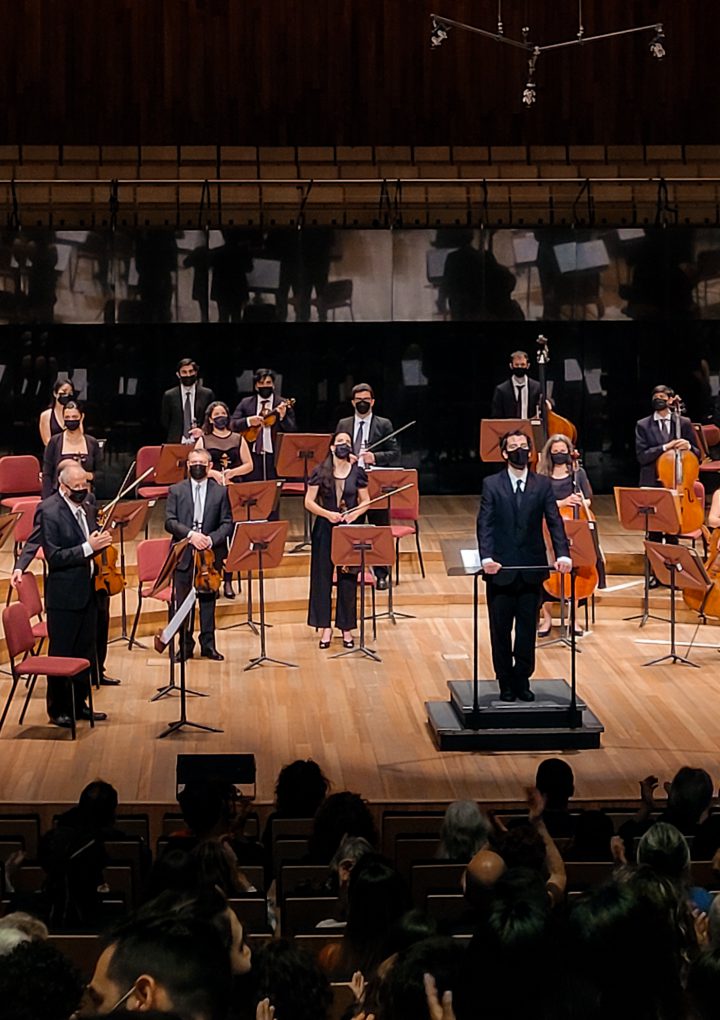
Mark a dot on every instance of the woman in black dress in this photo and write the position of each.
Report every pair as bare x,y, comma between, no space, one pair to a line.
51,420
571,489
71,444
231,458
336,493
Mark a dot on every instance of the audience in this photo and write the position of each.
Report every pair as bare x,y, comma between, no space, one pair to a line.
465,830
555,781
291,979
340,815
300,790
37,982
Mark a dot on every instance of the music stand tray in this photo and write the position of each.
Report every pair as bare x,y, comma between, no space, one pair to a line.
258,545
634,508
170,467
493,429
363,546
678,567
298,453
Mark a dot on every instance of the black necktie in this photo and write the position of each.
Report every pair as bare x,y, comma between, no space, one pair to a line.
357,445
518,493
518,401
187,413
665,428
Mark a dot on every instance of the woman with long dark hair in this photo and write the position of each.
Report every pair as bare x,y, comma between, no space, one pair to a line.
51,421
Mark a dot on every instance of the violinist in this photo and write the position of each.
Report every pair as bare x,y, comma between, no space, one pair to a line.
252,410
231,459
336,493
73,443
199,509
571,489
51,421
519,396
654,435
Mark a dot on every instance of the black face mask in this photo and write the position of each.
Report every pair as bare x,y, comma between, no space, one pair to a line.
188,380
220,423
362,406
64,398
73,425
560,458
659,403
77,495
343,451
519,458
198,472
519,373
265,391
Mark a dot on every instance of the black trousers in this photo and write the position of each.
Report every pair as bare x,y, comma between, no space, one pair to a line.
71,632
206,602
321,575
515,604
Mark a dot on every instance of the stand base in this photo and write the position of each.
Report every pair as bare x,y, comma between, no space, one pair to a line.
392,614
301,547
254,626
262,659
548,723
370,653
175,727
672,657
162,692
644,617
126,639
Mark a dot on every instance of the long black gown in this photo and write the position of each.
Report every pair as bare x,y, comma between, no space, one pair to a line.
321,565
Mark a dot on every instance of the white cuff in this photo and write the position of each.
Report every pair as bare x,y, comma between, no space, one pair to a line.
564,559
87,550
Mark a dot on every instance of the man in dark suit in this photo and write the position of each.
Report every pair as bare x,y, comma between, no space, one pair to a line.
69,538
367,428
251,410
519,396
654,435
199,509
515,502
183,406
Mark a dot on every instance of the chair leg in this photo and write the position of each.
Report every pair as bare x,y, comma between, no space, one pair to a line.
90,706
73,729
10,696
397,561
133,632
31,688
419,550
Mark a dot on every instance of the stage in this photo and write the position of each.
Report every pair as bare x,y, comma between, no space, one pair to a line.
365,722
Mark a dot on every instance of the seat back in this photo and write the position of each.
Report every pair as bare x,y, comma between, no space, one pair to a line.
151,554
24,523
147,457
699,490
29,595
409,513
711,434
20,475
18,631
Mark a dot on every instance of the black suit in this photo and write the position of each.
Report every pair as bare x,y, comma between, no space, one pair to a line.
513,535
649,441
247,408
504,404
70,598
172,412
217,523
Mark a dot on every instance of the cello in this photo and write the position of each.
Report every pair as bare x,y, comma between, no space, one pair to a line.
551,423
587,579
679,470
707,603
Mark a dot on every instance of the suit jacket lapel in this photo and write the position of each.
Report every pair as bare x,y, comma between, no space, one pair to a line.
71,516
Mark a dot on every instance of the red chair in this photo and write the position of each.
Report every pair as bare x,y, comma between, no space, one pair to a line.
707,436
399,531
29,596
19,478
151,554
147,457
24,524
20,642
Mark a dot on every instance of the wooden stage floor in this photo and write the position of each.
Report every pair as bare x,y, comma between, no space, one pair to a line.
365,722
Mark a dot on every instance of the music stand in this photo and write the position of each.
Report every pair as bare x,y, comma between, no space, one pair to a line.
635,507
293,450
381,481
252,501
170,467
259,545
129,518
678,567
493,429
166,579
161,642
363,546
583,554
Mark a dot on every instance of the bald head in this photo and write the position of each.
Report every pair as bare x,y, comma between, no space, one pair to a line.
72,474
481,874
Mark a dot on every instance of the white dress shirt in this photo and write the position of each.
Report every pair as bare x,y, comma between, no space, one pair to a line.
199,495
267,433
81,518
660,418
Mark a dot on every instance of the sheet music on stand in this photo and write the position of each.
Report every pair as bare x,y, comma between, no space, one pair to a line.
175,623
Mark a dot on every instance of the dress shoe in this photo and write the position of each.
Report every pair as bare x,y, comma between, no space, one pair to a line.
228,590
324,644
212,653
109,681
350,643
525,696
382,584
545,632
85,713
507,696
64,721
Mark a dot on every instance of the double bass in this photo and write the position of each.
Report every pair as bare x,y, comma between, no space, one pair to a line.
679,470
551,422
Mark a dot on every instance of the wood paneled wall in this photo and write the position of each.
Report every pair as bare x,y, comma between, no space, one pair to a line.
347,72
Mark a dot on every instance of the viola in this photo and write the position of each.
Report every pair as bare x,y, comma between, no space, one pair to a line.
207,577
270,418
679,470
108,576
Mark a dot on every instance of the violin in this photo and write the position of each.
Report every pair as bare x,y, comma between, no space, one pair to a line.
552,423
679,470
108,576
207,577
270,418
586,578
707,603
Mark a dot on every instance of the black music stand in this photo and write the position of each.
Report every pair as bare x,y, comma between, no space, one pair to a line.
166,579
363,546
259,545
171,463
461,558
380,482
293,450
678,567
582,554
129,518
635,507
252,501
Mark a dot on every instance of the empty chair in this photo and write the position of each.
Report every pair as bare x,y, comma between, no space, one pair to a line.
412,527
151,554
335,294
29,596
19,477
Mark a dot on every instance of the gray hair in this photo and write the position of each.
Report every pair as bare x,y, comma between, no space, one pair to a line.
464,831
70,468
665,850
351,848
10,939
26,924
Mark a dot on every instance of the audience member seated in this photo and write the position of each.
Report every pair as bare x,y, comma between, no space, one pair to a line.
531,846
703,985
31,927
300,790
213,810
340,814
465,830
690,796
37,983
291,979
217,865
664,849
402,994
594,832
350,851
555,781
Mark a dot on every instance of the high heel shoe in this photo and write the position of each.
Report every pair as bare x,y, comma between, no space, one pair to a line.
544,633
349,643
228,591
323,644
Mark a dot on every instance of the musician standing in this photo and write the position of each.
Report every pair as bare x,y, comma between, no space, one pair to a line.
367,429
519,396
654,435
199,509
184,405
251,411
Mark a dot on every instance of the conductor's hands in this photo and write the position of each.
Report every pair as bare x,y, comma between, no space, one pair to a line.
199,541
100,540
492,567
564,566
